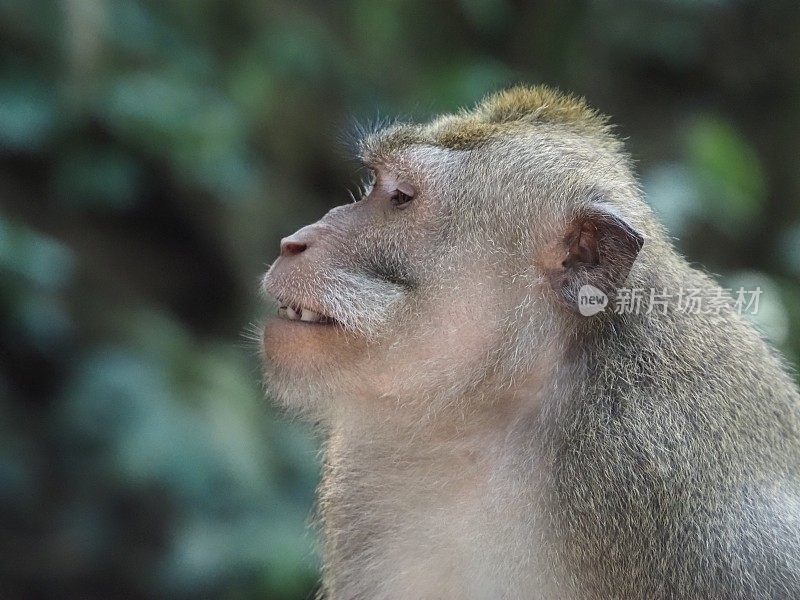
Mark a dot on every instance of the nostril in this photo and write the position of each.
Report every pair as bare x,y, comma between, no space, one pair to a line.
291,248
299,241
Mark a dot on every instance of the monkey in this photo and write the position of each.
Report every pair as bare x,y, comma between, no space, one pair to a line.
484,437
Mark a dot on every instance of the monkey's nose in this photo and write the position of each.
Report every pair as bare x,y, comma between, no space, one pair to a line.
301,240
290,247
298,242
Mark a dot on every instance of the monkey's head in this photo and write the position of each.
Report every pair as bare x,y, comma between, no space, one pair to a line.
461,264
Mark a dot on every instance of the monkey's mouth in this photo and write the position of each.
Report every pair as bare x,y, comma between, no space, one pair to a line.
305,315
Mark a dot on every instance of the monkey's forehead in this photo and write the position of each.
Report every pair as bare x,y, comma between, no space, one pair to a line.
498,114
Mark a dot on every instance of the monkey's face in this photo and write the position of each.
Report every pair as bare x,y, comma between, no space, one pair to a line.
375,301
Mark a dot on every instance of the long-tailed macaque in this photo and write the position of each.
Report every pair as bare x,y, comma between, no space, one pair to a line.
488,438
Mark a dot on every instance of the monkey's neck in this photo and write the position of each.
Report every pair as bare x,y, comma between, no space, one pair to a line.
414,503
445,451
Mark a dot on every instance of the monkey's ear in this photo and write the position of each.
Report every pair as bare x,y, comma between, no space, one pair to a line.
597,249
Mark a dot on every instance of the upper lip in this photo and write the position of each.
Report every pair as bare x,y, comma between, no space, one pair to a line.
291,306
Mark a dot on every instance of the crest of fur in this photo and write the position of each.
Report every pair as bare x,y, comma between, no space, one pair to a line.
498,114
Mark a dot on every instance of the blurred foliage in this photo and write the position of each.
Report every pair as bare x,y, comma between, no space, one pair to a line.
153,153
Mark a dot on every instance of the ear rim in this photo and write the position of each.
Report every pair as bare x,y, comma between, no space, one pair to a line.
610,215
602,229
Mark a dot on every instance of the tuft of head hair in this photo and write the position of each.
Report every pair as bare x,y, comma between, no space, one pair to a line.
538,103
500,113
513,108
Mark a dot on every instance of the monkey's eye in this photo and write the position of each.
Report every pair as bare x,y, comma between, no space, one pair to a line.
402,196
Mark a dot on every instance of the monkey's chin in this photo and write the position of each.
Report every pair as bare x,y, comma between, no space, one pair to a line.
307,349
303,363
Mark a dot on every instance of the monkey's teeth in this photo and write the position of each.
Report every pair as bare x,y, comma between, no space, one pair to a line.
299,313
309,315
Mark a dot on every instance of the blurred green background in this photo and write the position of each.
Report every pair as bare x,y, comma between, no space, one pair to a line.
152,154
